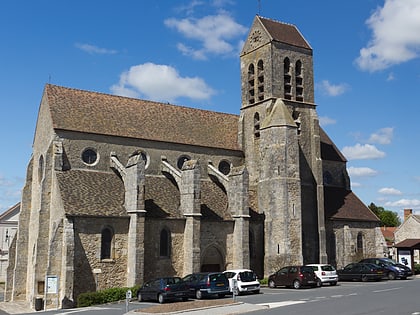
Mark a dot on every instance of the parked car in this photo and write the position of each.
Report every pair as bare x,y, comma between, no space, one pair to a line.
361,272
326,273
294,276
393,270
163,289
246,280
204,284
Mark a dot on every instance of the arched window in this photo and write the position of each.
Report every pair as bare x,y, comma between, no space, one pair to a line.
359,246
107,236
260,67
251,80
287,79
257,125
327,178
40,168
165,243
299,81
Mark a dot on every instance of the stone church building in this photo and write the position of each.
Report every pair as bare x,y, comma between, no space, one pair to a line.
119,190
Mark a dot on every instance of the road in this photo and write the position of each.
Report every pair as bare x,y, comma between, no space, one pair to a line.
348,298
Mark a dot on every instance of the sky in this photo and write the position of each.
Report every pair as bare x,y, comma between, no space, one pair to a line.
366,57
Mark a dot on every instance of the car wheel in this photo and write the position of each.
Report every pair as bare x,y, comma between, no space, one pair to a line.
318,283
271,284
140,297
296,284
161,299
391,275
364,278
198,295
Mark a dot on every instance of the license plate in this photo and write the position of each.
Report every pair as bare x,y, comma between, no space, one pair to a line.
219,284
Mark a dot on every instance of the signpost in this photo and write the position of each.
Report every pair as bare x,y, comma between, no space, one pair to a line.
128,296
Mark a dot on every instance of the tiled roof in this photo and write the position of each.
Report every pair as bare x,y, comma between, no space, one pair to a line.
329,151
284,33
342,204
388,232
98,113
413,243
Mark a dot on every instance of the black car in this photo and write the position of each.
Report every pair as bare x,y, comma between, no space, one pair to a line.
294,276
393,270
361,272
163,289
204,284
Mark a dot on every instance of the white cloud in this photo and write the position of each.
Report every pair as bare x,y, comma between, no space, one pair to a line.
160,83
382,136
389,191
361,171
362,152
215,33
324,121
390,77
356,184
91,49
332,89
404,203
395,38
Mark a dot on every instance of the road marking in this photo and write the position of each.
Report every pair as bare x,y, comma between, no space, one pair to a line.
280,304
392,289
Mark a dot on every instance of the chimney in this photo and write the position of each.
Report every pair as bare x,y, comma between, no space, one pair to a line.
407,213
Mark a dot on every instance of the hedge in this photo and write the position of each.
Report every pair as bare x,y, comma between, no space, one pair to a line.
104,296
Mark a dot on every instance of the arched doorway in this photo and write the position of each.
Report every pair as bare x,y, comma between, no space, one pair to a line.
212,260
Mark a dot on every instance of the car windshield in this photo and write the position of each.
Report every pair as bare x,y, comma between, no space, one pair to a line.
247,276
306,269
327,268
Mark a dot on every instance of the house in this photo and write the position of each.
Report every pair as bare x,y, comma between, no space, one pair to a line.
407,239
120,190
8,227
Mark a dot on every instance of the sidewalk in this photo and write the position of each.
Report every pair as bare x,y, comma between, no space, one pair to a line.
16,307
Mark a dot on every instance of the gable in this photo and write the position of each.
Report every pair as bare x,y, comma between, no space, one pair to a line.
97,113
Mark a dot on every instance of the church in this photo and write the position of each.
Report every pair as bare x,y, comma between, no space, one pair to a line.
120,190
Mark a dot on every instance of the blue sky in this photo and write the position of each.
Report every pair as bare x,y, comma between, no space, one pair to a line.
366,63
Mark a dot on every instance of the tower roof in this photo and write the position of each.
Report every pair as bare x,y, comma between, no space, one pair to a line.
284,33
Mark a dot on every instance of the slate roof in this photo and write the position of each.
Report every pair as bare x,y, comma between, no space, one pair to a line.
343,204
284,33
329,151
98,113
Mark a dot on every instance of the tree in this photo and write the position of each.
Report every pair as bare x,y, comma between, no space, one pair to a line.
387,217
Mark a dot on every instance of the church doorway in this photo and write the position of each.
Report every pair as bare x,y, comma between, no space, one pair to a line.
212,260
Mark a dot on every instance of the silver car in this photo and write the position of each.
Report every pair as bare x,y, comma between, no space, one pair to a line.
326,273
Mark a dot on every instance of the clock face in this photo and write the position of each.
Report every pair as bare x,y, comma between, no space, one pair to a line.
255,38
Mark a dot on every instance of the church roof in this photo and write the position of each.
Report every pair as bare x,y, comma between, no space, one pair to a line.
329,151
105,114
343,204
284,33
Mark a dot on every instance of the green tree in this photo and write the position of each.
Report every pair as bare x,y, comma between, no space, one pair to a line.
387,217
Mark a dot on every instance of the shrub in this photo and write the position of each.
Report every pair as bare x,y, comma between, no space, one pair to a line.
104,296
264,281
417,269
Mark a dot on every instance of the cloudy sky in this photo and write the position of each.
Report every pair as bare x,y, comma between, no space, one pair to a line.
366,62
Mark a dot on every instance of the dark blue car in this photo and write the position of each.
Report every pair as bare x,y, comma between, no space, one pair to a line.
163,289
393,270
205,284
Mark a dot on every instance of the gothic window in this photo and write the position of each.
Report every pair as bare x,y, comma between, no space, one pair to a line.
257,125
287,79
299,81
260,67
40,168
181,160
164,243
359,245
224,167
89,156
107,236
251,91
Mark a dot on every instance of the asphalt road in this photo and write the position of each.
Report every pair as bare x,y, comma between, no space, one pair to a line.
347,298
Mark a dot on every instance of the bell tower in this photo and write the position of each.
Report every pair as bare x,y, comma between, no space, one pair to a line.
279,134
